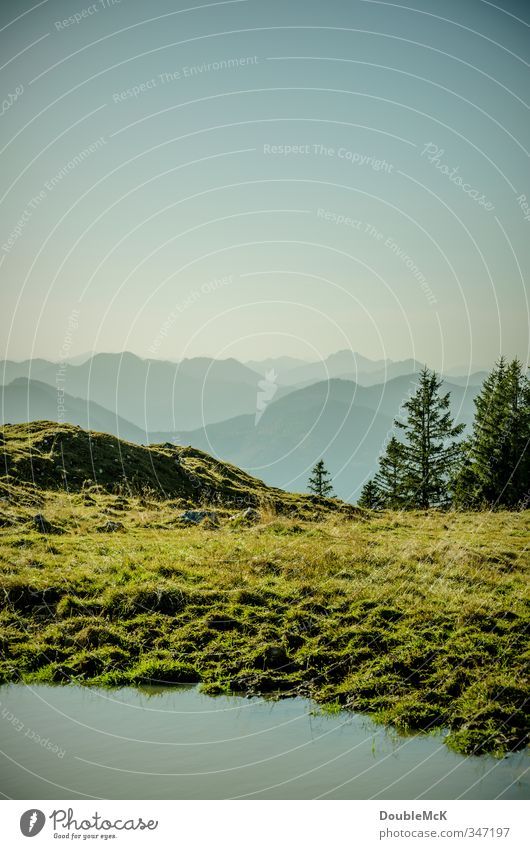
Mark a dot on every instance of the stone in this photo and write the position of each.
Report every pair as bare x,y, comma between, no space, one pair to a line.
110,527
247,517
251,515
195,517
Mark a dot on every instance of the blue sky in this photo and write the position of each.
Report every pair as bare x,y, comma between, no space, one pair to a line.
252,179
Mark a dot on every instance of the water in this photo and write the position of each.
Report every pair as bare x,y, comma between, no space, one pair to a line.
151,743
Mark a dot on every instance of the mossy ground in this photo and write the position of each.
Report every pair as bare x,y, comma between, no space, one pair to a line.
419,619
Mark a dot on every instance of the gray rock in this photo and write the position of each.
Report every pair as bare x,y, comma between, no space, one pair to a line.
251,515
110,527
195,517
248,516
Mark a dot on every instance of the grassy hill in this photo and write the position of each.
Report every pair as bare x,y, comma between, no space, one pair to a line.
48,456
420,619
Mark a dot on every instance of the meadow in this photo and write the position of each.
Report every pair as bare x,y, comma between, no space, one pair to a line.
418,618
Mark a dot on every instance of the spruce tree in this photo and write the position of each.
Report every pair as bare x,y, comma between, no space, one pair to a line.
391,476
320,480
370,496
430,449
496,470
517,488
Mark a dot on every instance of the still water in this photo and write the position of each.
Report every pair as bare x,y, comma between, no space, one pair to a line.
150,743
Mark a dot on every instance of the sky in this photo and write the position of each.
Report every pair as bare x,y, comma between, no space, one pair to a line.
255,179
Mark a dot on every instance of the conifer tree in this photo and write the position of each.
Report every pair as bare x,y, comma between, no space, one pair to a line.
370,496
496,471
320,480
390,479
517,487
430,449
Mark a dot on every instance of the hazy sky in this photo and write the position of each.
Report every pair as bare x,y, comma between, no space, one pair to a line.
256,178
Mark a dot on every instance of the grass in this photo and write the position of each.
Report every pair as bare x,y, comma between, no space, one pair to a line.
419,619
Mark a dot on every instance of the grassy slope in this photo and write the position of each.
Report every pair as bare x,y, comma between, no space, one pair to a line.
49,456
419,619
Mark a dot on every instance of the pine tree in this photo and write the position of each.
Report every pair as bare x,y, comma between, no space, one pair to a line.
320,480
517,487
488,443
430,449
390,478
496,471
370,496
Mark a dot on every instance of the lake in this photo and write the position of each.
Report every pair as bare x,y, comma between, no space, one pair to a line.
70,742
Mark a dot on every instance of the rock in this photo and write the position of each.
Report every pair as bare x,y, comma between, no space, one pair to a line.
110,527
45,527
251,515
247,517
195,517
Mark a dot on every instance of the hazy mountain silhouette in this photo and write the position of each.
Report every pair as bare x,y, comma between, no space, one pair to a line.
281,448
152,394
280,365
349,365
475,379
31,400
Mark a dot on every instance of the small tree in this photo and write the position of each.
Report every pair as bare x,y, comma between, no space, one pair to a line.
370,496
390,480
430,450
320,480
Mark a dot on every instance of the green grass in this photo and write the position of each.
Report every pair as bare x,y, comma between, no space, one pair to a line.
419,619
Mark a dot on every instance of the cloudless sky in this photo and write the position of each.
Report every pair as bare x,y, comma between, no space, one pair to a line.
256,178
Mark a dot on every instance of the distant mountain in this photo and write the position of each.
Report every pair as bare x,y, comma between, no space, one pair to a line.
462,371
279,364
29,400
389,372
11,370
475,379
281,448
154,395
79,359
162,396
389,396
348,365
345,423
